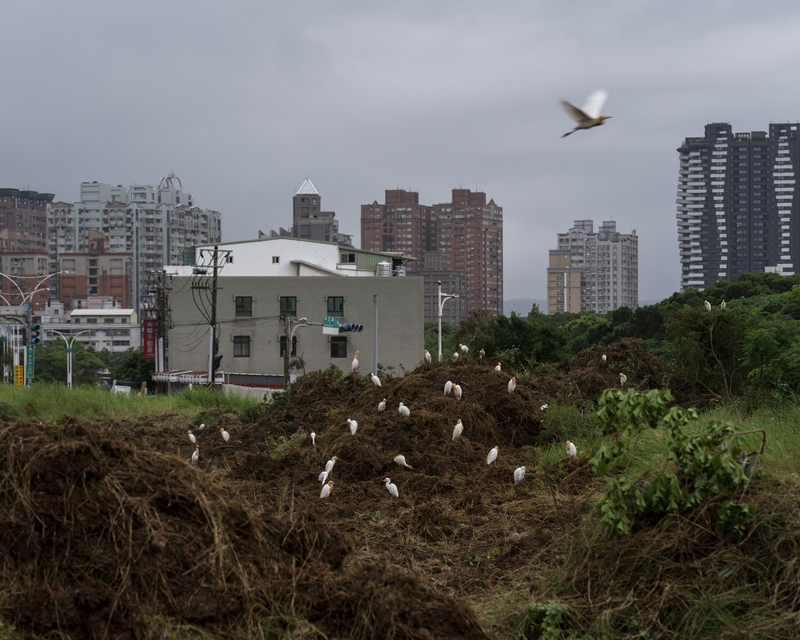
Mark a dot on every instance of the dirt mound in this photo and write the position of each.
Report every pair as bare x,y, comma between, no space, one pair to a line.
102,538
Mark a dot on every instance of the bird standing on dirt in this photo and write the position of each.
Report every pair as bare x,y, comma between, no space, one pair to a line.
603,357
492,455
512,384
225,435
427,357
707,305
447,387
404,410
497,368
391,487
375,379
401,460
459,428
326,490
354,365
571,450
481,353
457,391
192,439
329,464
202,426
314,438
323,477
196,454
622,379
353,426
464,348
519,474
455,356
589,116
381,405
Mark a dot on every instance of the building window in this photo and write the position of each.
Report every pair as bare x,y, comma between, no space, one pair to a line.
108,320
283,346
348,257
288,306
336,306
244,306
91,320
241,346
276,259
338,347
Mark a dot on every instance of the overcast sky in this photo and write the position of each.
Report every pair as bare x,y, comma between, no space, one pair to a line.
245,99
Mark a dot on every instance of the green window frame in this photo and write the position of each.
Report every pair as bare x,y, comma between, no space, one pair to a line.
244,306
336,306
288,305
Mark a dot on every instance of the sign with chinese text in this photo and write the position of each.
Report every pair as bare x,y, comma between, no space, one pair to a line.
330,325
149,341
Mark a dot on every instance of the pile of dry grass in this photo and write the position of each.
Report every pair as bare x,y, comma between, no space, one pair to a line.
101,539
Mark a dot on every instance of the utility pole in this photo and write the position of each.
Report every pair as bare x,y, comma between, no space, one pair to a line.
214,338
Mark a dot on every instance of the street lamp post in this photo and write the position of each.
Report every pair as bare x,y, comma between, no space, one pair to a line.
69,352
447,296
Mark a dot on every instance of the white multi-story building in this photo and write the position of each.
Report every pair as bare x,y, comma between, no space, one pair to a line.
110,328
593,270
154,224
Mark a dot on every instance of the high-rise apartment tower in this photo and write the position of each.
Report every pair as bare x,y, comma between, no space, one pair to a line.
736,208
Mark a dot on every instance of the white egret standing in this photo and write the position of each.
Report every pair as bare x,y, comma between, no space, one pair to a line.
202,426
225,435
404,410
722,304
192,439
519,474
447,387
571,450
401,460
314,438
381,405
391,487
323,477
457,391
375,379
497,368
464,348
481,353
492,455
512,384
354,365
353,426
543,407
427,357
459,428
622,379
707,305
326,490
603,357
329,464
196,454
589,116
455,356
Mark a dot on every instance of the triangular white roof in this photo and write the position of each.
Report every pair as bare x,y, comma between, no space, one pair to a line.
307,187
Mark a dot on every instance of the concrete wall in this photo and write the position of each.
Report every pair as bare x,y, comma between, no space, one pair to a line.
400,322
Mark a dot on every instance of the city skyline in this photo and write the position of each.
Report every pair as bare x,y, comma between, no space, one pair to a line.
245,104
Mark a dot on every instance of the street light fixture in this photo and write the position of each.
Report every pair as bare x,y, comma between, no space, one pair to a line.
447,297
69,352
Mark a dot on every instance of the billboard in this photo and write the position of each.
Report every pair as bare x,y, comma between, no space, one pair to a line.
149,341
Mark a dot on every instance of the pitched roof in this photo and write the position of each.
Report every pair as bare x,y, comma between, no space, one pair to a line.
307,187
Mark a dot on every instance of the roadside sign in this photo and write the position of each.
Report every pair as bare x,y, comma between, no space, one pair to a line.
330,325
29,362
19,379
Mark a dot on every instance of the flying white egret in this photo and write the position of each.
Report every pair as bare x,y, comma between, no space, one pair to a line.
543,407
519,474
497,368
459,428
464,348
326,490
589,116
375,379
481,353
314,438
401,460
196,454
455,356
512,384
329,464
707,305
457,391
722,304
427,357
622,379
391,487
353,426
603,357
225,435
381,405
354,365
404,410
447,387
192,439
492,455
323,477
571,450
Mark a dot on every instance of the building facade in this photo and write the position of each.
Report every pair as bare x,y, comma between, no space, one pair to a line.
736,209
23,218
112,328
464,236
153,225
593,270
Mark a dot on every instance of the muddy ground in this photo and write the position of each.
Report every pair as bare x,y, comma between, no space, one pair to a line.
108,527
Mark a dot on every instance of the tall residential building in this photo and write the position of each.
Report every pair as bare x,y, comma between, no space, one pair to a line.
152,224
736,208
23,217
593,270
309,222
463,237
